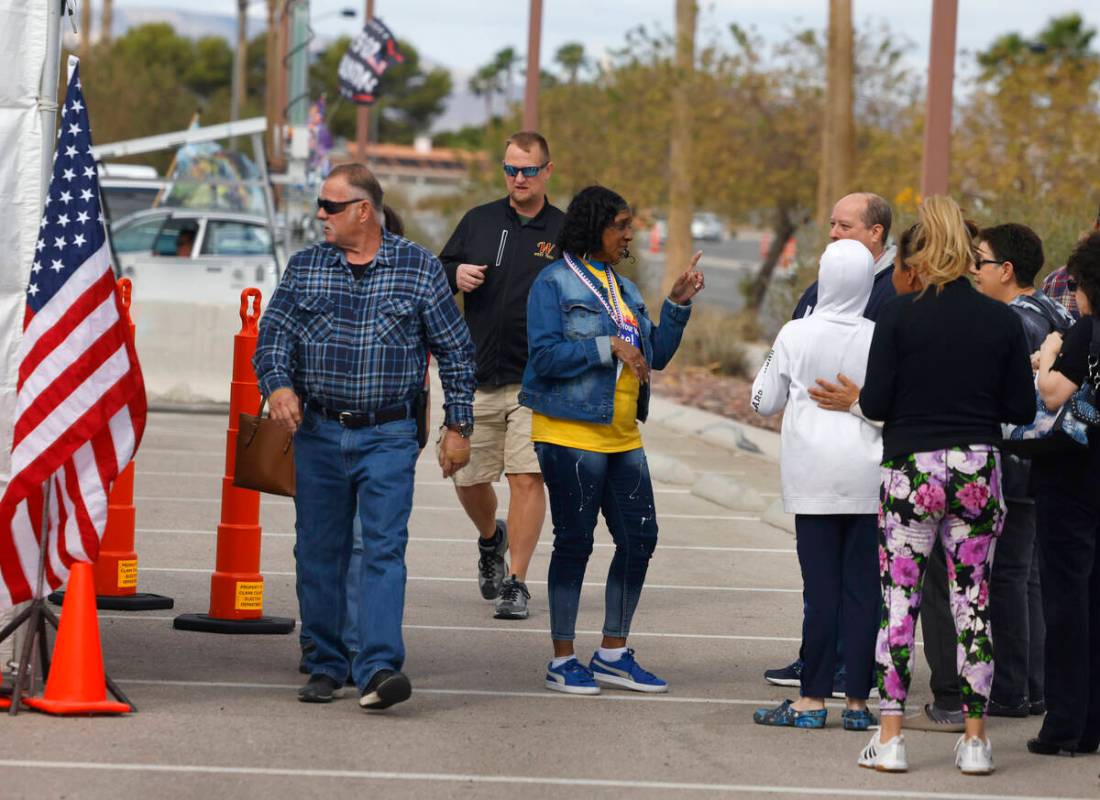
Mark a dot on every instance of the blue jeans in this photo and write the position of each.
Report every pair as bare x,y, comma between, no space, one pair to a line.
351,621
351,624
339,470
581,484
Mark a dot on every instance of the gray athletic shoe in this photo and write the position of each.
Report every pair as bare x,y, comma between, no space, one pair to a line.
934,718
512,602
490,563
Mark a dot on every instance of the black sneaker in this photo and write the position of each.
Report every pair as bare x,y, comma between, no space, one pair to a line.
490,563
1018,710
512,602
320,689
1037,708
790,675
388,687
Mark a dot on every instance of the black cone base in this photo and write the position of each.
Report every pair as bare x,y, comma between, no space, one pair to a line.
139,601
204,623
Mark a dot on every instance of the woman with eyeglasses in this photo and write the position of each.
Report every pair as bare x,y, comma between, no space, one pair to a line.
1067,511
591,347
947,366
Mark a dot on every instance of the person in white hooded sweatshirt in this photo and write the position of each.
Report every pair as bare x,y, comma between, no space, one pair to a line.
829,466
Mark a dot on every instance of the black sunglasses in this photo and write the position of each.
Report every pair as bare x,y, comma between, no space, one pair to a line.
336,206
1071,284
528,172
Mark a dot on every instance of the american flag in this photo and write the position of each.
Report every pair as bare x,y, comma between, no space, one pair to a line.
80,398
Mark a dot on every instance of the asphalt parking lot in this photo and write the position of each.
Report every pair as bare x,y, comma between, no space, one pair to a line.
219,716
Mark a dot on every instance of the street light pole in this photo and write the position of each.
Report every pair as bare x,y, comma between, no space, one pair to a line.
362,120
937,118
531,91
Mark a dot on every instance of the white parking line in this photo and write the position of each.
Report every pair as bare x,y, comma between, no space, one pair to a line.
527,780
510,629
637,697
656,586
440,509
218,477
441,540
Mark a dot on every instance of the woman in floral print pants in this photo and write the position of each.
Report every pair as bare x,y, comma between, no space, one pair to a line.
954,494
947,367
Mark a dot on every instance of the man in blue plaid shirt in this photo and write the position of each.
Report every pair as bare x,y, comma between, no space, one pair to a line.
341,357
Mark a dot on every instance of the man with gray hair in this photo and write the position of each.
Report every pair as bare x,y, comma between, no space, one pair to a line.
341,357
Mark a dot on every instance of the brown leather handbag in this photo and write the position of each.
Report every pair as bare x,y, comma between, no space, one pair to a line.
265,455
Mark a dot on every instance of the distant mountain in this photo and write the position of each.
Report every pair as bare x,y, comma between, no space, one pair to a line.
463,108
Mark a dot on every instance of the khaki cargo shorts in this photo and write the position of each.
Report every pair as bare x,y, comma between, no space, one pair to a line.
501,443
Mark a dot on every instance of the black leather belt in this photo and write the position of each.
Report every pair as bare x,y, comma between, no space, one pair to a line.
365,419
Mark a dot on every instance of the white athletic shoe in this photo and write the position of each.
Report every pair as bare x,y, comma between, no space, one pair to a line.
974,756
885,757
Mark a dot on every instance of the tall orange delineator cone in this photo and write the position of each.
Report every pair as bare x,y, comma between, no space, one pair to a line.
77,683
237,587
116,569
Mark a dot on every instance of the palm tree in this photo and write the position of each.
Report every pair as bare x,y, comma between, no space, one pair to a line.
485,83
571,58
505,62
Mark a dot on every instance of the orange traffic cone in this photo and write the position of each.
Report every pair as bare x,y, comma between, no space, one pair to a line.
77,683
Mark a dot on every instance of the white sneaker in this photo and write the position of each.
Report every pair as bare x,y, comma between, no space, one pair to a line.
974,756
885,757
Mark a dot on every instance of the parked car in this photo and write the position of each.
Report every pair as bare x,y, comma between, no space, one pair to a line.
195,255
707,226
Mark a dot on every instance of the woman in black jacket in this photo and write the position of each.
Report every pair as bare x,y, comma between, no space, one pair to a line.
947,367
1067,510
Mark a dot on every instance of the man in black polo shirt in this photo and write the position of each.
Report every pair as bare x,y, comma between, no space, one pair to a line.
493,257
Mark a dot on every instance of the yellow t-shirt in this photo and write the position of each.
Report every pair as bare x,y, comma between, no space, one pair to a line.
618,437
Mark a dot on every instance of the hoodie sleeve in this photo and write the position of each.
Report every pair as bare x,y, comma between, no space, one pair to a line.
773,382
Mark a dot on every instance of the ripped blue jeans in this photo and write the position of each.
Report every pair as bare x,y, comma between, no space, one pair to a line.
581,484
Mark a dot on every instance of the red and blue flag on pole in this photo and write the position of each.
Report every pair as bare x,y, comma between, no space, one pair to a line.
80,398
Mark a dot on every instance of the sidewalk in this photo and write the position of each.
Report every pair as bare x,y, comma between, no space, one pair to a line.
219,715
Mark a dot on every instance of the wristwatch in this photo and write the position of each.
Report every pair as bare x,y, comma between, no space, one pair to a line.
463,429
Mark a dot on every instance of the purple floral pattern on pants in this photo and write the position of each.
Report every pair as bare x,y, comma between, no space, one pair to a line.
954,495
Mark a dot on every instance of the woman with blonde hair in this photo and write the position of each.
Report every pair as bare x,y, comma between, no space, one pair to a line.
947,366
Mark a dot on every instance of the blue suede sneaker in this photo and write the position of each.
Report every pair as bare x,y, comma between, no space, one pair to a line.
786,717
572,677
861,720
626,673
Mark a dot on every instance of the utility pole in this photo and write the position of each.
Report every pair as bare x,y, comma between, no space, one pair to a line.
85,29
680,187
362,120
240,61
531,92
838,130
273,80
937,115
108,21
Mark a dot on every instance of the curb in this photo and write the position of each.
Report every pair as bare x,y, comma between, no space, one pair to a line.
714,429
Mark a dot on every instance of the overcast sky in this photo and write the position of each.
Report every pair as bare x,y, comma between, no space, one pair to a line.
463,34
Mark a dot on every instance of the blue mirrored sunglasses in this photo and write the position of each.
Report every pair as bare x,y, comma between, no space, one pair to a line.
528,172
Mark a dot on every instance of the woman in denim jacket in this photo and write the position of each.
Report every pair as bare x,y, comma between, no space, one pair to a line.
591,346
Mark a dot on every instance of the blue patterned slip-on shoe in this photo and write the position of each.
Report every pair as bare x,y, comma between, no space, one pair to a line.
861,720
786,717
626,673
572,677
